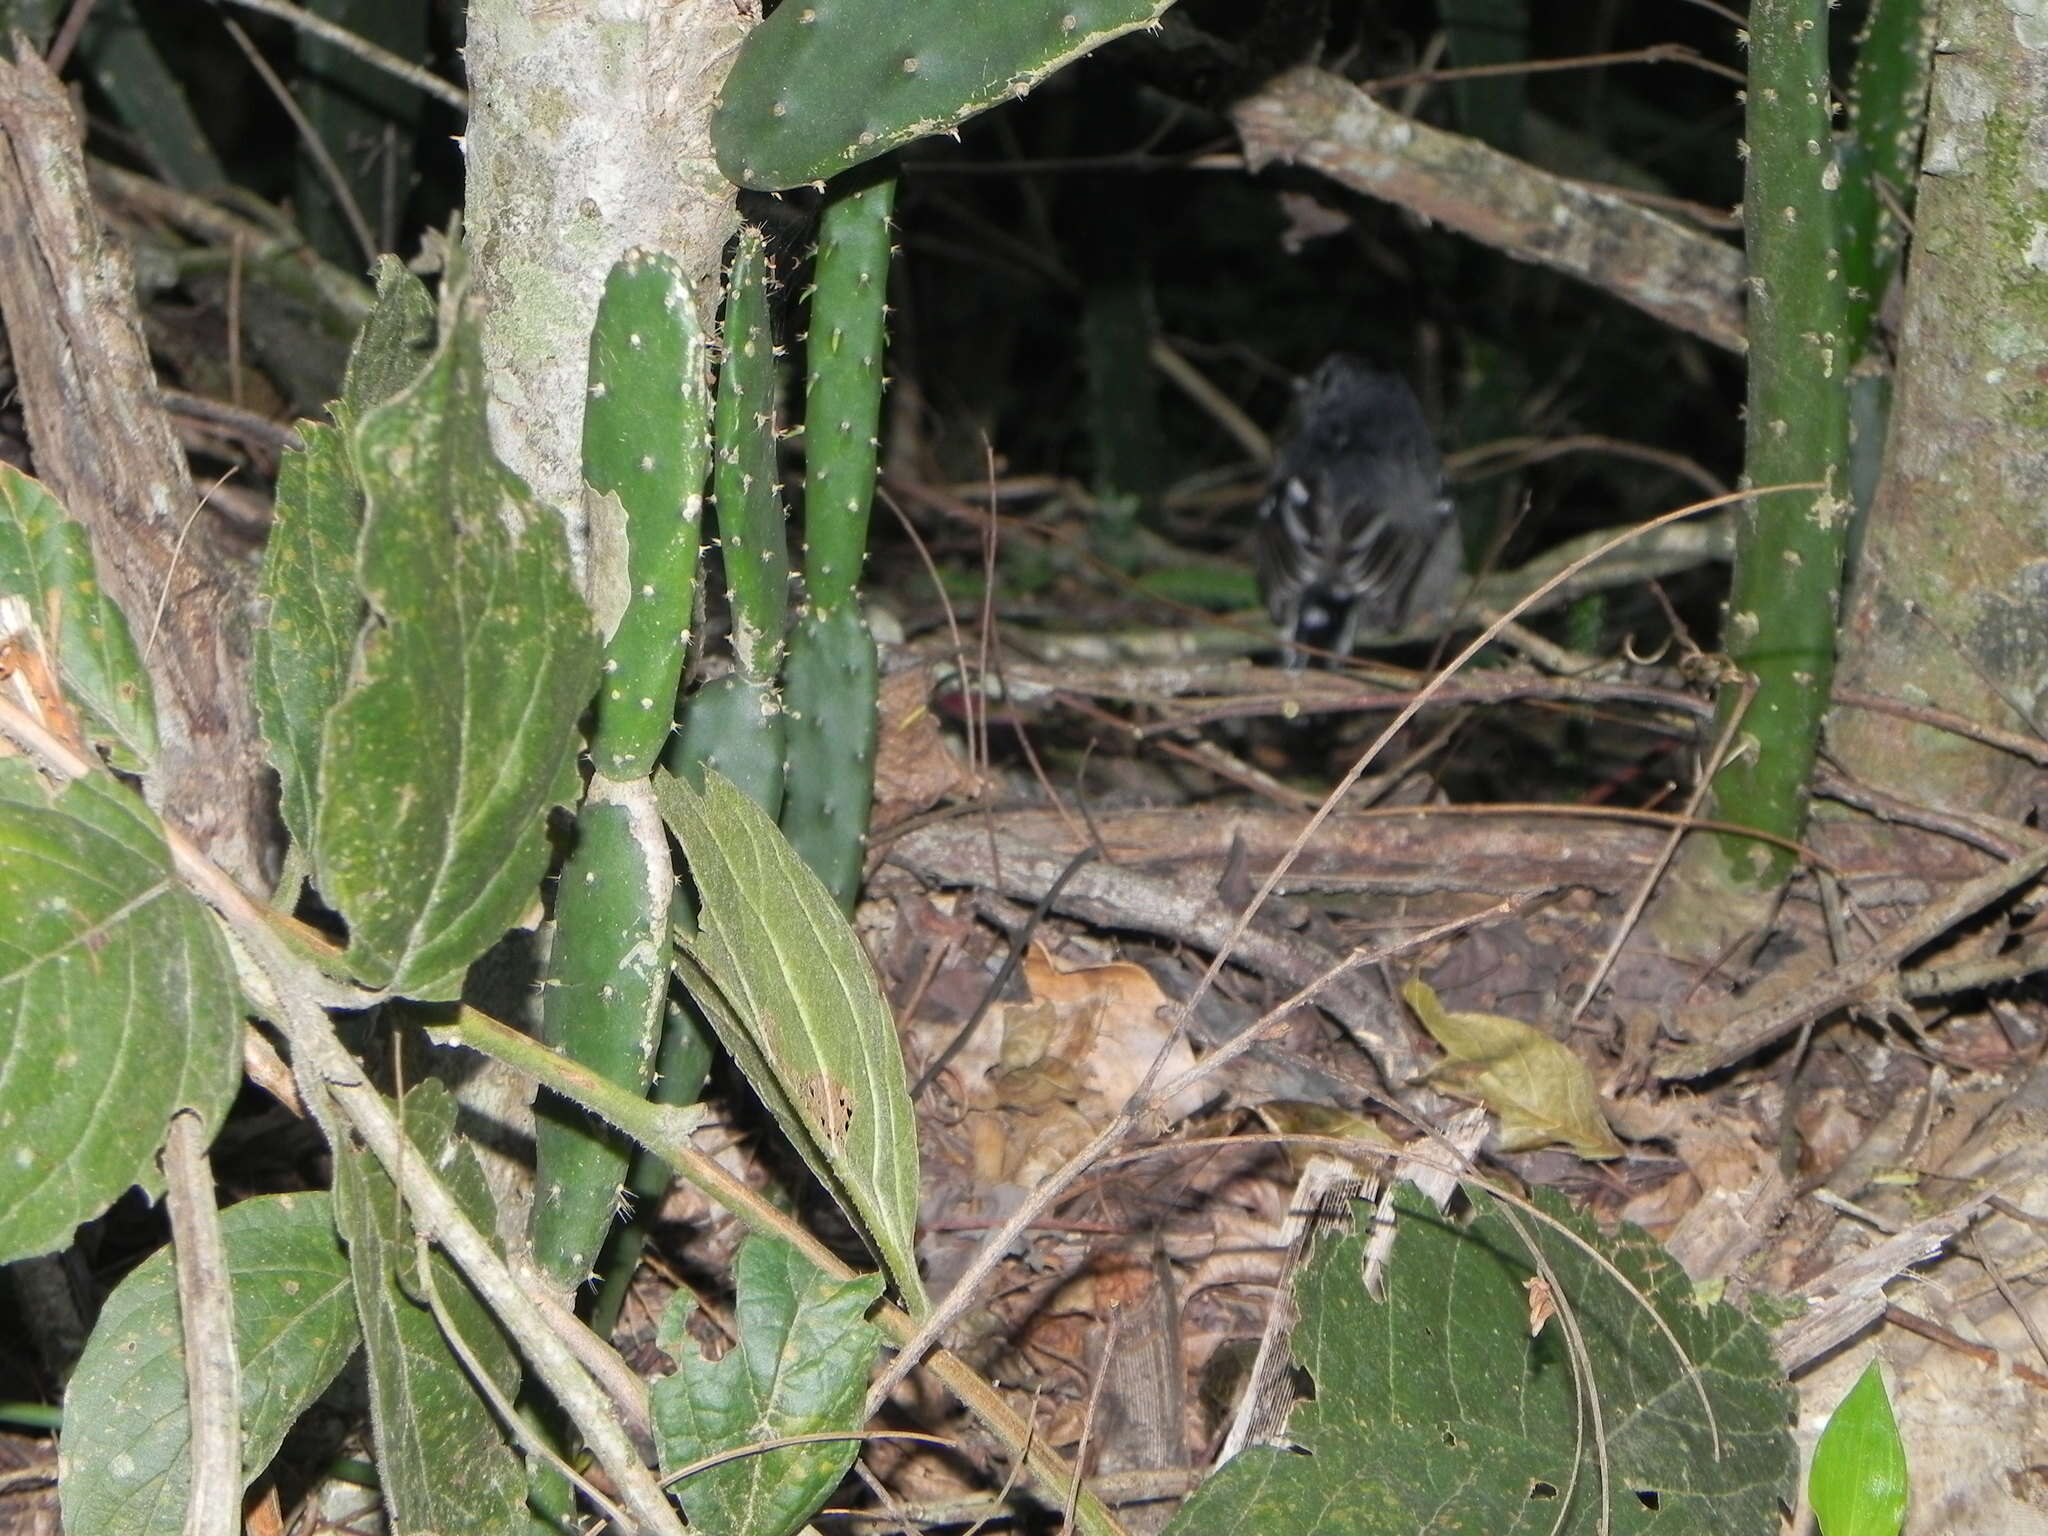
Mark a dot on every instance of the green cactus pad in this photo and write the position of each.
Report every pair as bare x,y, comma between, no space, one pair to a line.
829,691
750,526
736,727
843,401
646,442
825,84
602,1006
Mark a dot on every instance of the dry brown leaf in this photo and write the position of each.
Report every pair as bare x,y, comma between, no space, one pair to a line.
1542,1094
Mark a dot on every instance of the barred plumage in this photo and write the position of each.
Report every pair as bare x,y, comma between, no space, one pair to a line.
1355,534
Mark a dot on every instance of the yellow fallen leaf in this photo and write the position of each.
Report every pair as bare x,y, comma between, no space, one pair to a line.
1542,1094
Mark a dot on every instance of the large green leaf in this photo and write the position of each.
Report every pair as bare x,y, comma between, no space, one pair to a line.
1435,1411
125,1457
441,1458
46,560
117,1004
782,977
801,1367
458,731
313,611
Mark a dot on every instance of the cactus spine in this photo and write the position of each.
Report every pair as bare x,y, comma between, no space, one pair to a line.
645,443
831,681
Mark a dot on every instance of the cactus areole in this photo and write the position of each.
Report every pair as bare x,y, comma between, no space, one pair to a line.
825,84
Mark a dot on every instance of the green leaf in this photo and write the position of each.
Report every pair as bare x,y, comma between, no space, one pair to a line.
1541,1092
458,733
801,1367
395,346
119,1000
46,560
313,612
783,979
303,650
1858,1483
1435,1411
126,1463
441,1459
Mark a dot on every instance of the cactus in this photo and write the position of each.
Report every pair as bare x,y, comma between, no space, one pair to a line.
825,84
645,444
1784,601
830,692
680,1069
843,395
831,679
737,726
736,723
749,504
606,990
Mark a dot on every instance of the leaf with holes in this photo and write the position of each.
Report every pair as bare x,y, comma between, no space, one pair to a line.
313,611
458,731
1436,1411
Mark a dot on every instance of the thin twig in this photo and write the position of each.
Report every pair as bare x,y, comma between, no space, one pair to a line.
206,1311
309,138
1727,1036
377,58
521,1432
1019,942
666,1132
1220,407
1150,1093
67,36
1116,1327
1408,712
1655,53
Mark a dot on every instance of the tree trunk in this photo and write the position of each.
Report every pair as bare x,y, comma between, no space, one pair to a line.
589,133
1950,607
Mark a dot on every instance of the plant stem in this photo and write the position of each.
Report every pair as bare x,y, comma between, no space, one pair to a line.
1784,602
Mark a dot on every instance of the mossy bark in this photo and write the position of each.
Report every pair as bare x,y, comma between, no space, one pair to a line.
1951,602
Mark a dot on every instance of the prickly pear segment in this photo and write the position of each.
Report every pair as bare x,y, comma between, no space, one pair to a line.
825,84
646,440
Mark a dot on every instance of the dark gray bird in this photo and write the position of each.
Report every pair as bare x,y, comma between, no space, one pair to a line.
1356,535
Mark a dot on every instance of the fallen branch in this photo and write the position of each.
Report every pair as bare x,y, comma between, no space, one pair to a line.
1314,118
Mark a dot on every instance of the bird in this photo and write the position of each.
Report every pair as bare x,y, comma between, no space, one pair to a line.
1356,534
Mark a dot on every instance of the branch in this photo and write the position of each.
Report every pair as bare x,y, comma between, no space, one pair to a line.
206,1313
1314,118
